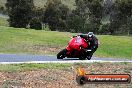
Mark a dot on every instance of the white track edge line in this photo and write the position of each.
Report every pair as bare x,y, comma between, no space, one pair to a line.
73,61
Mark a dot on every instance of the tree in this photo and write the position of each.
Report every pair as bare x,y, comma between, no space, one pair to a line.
1,9
77,17
20,12
96,11
55,15
75,23
88,14
120,16
125,8
36,21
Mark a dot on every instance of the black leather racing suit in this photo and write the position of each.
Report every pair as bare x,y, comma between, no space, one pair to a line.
92,43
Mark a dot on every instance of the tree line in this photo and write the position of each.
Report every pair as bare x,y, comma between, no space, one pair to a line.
99,16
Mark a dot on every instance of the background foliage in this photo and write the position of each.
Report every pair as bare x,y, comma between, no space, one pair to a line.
99,16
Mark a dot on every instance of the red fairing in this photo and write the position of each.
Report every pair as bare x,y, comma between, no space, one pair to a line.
76,48
75,44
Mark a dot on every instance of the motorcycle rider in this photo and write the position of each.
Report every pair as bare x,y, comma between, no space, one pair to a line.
92,41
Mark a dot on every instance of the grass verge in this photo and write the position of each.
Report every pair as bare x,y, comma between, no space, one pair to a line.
29,67
115,46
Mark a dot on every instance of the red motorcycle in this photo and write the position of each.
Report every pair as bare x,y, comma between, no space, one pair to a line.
77,48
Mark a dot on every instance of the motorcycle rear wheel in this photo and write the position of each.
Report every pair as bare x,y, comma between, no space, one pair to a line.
61,54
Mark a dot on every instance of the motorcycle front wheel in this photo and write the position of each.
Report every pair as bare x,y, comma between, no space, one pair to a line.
61,54
89,57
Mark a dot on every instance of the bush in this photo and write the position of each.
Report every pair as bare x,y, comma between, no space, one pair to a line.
35,24
20,12
55,15
104,28
36,21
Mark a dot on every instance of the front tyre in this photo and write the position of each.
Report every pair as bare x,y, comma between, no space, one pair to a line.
61,54
89,57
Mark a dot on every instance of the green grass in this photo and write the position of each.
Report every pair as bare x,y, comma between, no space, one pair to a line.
28,41
3,22
15,40
115,46
29,67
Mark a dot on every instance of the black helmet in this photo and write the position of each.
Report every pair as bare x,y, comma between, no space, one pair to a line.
90,34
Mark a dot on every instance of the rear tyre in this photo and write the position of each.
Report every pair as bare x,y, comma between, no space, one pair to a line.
61,54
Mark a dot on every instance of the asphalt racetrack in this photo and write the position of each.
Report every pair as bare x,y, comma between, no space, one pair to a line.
24,58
